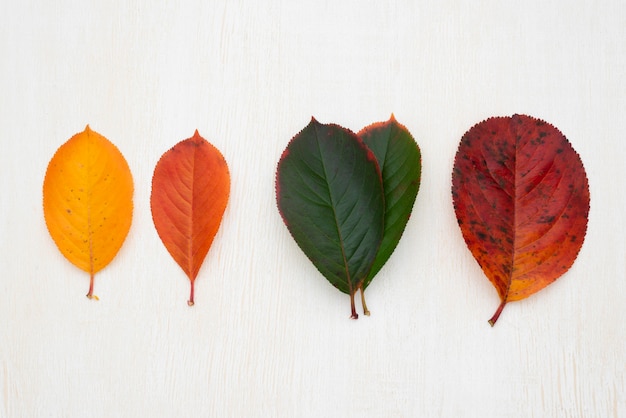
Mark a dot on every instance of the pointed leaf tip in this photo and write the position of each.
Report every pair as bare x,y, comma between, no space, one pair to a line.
314,122
197,139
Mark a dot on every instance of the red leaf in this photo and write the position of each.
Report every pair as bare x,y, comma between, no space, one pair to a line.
521,198
190,190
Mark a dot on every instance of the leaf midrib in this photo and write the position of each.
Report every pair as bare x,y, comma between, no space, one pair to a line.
191,240
515,209
332,205
89,189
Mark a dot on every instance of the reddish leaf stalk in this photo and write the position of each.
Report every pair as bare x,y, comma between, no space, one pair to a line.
190,301
496,315
90,295
353,307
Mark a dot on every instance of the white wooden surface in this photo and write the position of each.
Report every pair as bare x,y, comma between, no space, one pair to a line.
268,335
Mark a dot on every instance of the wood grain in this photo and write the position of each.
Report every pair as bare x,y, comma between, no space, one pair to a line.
271,338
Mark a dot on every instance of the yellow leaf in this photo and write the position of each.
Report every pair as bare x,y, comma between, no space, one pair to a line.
88,201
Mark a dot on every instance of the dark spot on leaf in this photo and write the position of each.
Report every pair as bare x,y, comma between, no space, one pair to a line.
546,219
506,268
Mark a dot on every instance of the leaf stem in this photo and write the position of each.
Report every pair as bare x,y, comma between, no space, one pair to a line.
365,310
90,295
190,301
354,314
496,315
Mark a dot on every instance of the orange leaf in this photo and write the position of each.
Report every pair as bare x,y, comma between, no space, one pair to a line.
88,201
521,198
190,189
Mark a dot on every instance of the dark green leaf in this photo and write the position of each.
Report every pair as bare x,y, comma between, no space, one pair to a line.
400,160
329,193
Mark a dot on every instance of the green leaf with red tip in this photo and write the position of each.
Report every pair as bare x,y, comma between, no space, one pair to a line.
521,197
399,158
330,195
